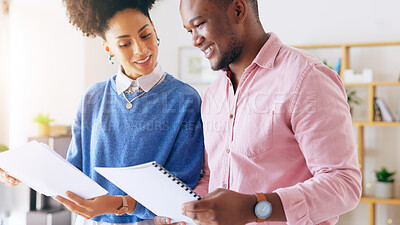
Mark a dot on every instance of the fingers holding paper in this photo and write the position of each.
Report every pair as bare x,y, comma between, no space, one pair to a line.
89,208
7,179
222,207
159,220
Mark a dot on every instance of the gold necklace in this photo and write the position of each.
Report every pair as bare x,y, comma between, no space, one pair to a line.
129,105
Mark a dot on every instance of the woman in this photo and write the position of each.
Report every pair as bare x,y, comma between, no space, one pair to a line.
139,115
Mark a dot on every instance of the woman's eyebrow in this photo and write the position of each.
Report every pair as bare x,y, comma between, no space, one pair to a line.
127,35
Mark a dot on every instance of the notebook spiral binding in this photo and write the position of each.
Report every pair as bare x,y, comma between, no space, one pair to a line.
176,180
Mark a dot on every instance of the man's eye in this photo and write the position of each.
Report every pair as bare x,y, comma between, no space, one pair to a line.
199,25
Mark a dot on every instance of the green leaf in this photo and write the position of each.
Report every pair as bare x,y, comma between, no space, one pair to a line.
384,175
42,119
3,148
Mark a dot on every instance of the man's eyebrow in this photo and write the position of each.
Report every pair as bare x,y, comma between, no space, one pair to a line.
126,35
192,20
195,18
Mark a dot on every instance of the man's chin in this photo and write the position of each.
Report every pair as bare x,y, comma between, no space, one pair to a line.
217,67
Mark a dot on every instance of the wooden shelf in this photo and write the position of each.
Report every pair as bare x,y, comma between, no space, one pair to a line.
372,84
346,45
392,201
360,125
367,123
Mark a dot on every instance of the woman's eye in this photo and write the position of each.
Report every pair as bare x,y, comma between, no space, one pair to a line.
146,36
125,45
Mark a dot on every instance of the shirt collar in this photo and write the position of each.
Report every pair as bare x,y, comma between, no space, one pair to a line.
267,54
145,82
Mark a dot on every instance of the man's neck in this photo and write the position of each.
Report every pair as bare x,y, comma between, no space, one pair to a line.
251,50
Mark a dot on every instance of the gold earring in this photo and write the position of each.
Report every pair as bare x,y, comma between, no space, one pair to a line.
110,55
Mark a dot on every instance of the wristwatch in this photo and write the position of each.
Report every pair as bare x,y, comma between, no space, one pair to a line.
263,208
124,208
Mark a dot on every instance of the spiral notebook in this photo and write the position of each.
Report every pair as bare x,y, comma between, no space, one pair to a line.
154,187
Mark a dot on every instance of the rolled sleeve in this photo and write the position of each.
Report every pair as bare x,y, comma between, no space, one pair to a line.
322,126
295,205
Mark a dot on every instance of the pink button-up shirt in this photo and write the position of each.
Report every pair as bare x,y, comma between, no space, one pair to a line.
288,130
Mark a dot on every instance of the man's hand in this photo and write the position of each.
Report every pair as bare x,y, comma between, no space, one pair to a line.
222,207
89,208
8,180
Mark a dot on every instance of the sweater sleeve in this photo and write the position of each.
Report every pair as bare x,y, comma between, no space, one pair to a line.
321,122
186,158
74,155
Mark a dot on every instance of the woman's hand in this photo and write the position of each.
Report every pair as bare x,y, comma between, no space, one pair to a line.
159,220
89,208
8,180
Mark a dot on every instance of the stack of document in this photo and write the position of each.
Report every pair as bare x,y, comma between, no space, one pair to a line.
41,168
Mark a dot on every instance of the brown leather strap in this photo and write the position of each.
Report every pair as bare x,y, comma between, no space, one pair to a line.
261,197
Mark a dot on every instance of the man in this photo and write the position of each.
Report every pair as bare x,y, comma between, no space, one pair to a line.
276,122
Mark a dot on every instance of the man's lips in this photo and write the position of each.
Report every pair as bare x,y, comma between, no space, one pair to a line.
208,50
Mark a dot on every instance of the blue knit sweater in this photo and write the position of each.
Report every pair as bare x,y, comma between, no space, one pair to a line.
164,125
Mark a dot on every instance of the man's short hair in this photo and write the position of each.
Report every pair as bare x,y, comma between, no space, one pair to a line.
224,5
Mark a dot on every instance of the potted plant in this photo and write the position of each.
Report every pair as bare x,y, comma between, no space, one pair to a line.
384,186
352,99
3,148
44,124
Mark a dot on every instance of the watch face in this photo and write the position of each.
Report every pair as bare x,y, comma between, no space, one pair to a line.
263,209
122,211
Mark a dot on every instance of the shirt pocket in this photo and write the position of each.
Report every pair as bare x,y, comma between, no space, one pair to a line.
254,133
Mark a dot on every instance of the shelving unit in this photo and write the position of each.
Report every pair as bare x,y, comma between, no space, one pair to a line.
360,125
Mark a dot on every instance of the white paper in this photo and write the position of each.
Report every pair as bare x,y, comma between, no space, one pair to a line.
151,188
41,168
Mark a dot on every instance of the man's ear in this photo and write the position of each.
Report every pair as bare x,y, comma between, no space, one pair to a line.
241,10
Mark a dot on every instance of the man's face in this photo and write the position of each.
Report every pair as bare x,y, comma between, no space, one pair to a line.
212,31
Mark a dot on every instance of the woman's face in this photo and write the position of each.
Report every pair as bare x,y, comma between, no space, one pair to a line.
132,38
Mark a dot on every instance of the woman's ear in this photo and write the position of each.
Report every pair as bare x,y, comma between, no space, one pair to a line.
155,31
107,48
108,51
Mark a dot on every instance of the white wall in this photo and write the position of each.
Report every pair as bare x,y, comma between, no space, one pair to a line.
4,60
46,66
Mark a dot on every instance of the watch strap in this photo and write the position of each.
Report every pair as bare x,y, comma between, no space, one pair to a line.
261,197
124,208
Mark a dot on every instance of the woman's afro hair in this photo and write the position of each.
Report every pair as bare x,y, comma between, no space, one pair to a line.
91,16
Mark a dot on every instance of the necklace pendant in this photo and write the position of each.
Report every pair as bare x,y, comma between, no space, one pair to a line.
129,105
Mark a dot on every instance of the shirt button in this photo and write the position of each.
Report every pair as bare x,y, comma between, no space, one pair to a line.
228,150
231,116
224,186
230,84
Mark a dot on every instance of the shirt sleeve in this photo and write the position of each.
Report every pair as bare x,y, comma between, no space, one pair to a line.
202,186
321,123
